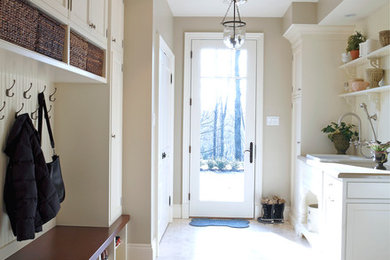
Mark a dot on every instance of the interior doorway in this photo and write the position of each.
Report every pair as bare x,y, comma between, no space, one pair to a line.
223,130
165,137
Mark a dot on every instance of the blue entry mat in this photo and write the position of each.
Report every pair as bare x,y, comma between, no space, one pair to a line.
233,223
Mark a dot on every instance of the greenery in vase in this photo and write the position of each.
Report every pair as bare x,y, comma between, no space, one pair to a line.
344,129
354,40
378,147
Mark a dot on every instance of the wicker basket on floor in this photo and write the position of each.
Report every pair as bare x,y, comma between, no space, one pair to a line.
78,51
18,23
95,60
50,37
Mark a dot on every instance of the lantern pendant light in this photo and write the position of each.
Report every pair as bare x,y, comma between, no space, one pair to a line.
234,30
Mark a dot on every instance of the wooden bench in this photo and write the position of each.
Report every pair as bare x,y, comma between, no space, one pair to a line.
71,243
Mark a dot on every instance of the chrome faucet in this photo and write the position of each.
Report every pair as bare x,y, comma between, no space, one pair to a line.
370,118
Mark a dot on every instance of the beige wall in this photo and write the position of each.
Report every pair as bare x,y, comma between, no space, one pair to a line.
325,7
300,13
144,20
137,118
277,92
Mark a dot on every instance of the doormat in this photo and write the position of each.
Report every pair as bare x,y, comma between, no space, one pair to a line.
233,223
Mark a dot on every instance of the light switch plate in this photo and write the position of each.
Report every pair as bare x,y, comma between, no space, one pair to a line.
273,120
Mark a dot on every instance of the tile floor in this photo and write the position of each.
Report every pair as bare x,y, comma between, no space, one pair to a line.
258,242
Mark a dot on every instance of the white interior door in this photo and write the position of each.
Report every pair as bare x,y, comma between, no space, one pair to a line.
165,137
116,137
222,130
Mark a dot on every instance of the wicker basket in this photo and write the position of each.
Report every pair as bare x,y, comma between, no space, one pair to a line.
18,23
78,51
50,38
95,60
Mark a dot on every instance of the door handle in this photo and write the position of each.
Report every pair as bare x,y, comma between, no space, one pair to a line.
164,155
250,152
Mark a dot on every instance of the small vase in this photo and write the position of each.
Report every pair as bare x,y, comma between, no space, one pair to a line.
354,54
380,158
341,143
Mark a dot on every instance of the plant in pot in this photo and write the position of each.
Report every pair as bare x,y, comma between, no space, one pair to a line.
341,135
353,44
380,153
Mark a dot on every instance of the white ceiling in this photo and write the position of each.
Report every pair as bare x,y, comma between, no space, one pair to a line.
350,11
217,8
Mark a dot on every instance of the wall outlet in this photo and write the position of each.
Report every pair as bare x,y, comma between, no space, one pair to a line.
273,120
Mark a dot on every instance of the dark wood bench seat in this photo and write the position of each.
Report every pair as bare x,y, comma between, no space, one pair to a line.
71,243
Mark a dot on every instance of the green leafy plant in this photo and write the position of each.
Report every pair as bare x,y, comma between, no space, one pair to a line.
344,129
378,147
354,40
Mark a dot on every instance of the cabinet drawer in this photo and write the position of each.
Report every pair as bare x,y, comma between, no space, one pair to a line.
368,191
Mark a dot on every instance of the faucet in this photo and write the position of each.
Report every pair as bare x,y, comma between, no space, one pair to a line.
356,143
370,118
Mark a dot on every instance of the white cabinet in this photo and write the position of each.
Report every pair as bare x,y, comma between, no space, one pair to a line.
368,231
97,17
89,17
331,217
117,24
116,136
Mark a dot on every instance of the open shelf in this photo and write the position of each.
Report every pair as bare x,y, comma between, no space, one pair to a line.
382,52
367,91
59,71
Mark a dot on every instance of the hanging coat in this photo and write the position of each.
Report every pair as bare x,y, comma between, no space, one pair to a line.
29,195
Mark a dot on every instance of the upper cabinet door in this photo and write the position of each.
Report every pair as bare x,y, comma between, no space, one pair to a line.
98,17
79,12
58,8
117,24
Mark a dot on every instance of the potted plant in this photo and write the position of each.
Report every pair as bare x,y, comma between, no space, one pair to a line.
380,153
353,44
341,135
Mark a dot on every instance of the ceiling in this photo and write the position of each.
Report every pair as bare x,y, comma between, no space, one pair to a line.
217,8
350,11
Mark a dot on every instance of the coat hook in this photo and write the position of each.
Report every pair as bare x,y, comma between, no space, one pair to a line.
16,114
32,115
44,89
48,111
1,118
51,96
9,89
25,92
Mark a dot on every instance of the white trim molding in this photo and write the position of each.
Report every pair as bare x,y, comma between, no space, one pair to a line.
259,37
177,211
140,251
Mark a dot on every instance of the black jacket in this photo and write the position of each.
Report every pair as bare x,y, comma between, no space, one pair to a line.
29,195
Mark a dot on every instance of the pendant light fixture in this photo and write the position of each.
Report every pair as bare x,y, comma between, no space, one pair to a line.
234,30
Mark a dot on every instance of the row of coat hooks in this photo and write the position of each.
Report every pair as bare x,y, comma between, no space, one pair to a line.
33,115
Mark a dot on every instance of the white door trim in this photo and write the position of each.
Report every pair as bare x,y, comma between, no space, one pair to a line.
259,37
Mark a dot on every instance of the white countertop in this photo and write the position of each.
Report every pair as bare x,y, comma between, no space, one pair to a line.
342,170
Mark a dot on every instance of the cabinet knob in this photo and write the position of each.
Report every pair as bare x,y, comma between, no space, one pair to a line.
113,39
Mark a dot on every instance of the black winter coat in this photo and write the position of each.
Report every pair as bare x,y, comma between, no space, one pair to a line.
29,195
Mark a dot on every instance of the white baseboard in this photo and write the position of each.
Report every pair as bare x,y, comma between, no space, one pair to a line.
177,211
185,210
140,251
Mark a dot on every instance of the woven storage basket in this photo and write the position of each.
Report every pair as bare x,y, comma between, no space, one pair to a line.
78,51
18,23
50,38
95,60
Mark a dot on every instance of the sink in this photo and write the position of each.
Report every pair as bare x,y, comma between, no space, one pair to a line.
338,158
